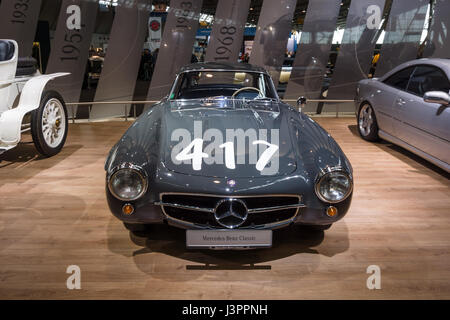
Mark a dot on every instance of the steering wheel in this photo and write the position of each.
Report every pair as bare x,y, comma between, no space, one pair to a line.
246,88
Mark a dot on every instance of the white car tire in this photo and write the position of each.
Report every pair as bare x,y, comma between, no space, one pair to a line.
49,124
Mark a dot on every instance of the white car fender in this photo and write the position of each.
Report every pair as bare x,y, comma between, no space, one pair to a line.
30,98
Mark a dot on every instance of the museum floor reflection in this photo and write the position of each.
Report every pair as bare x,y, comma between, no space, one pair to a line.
287,242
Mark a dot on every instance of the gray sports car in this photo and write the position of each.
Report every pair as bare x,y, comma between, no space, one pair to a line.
409,106
224,158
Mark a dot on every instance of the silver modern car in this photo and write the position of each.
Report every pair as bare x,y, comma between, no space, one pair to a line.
409,106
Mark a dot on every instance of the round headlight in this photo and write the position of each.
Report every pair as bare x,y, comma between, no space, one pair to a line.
333,186
128,184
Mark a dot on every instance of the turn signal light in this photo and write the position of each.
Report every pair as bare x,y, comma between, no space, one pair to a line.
127,209
332,211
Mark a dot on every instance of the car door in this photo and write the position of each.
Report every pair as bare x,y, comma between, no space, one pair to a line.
424,125
385,94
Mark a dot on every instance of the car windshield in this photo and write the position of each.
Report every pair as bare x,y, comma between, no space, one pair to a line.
220,85
264,105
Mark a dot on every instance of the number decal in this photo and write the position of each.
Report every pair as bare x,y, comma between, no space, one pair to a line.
228,30
229,154
183,14
226,40
19,14
240,147
196,156
70,51
266,155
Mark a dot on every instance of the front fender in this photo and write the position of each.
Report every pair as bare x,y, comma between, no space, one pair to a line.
30,99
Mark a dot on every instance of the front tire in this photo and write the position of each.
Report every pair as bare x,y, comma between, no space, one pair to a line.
367,123
49,124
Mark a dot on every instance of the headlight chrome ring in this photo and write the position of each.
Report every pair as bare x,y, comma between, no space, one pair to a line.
130,169
336,174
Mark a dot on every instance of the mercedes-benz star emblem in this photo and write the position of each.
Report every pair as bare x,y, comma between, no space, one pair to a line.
231,213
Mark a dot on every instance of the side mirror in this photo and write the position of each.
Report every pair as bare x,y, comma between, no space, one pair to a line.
439,97
301,102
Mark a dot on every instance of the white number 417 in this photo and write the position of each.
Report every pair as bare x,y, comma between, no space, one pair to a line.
197,154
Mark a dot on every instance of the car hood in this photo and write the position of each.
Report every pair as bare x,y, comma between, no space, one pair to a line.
216,125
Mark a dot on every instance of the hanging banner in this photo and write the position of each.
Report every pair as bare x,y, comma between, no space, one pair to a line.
272,34
18,21
438,45
123,56
154,33
227,34
314,50
70,48
356,50
176,46
403,32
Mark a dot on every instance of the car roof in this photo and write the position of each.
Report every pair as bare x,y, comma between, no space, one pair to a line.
222,66
441,63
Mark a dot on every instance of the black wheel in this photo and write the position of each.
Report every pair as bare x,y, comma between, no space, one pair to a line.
367,122
49,124
318,227
136,227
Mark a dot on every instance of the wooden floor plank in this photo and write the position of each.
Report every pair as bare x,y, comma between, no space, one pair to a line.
53,214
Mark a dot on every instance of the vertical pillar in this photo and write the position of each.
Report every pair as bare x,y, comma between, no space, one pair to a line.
176,45
272,34
227,32
314,50
121,65
18,21
70,49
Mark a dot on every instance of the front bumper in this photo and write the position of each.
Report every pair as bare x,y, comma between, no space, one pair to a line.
152,213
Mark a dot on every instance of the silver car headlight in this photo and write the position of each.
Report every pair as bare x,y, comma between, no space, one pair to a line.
333,185
128,182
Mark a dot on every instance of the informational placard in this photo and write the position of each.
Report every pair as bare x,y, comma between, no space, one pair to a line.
272,34
121,65
403,32
18,21
438,44
70,48
227,33
356,50
176,46
312,56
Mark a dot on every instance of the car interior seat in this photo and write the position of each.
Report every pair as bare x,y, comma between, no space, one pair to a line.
6,50
26,66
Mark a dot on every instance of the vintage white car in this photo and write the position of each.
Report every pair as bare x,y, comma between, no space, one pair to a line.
26,105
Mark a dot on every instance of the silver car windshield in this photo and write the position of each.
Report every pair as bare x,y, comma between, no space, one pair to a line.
223,85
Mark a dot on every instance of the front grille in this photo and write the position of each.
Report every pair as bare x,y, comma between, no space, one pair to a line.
198,210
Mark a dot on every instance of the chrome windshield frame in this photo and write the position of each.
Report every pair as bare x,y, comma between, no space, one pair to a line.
177,77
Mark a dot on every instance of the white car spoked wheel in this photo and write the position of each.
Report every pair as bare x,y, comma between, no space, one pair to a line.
49,124
367,123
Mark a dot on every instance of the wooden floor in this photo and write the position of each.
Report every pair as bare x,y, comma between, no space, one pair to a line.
53,214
